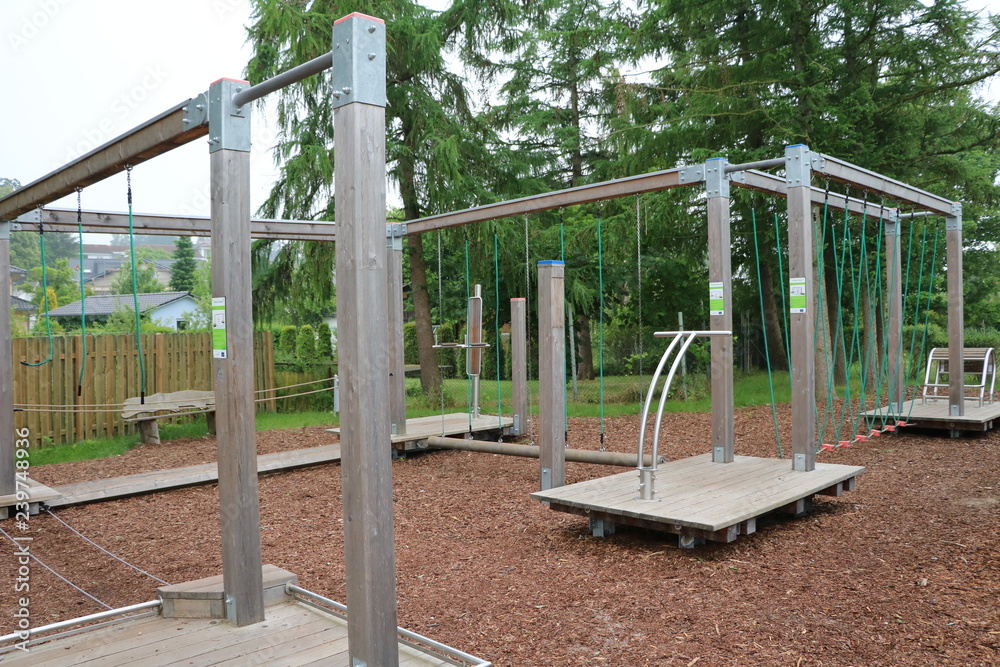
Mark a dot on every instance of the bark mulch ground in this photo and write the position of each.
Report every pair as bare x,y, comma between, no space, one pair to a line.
905,570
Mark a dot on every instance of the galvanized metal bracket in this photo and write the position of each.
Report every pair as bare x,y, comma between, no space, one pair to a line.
818,162
5,230
694,173
196,111
716,180
799,462
394,233
231,609
546,479
892,227
32,217
718,454
358,61
953,222
798,165
228,124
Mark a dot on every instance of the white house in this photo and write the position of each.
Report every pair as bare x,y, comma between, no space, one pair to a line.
166,309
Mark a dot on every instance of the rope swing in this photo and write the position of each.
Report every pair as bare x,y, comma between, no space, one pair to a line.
45,293
135,291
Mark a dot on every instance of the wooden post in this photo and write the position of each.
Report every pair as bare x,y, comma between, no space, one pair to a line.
366,465
956,314
798,170
7,465
239,511
720,277
519,363
894,280
397,368
551,374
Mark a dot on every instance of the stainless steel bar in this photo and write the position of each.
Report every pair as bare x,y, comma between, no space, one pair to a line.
286,78
759,164
52,627
470,660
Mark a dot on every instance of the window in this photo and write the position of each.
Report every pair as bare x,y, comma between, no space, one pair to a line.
182,325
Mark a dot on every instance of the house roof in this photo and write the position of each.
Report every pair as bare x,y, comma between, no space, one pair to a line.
16,269
107,303
17,303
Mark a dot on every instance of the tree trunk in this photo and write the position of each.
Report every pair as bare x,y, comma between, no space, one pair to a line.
430,376
772,320
836,328
586,348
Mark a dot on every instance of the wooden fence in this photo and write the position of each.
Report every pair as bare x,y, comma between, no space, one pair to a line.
173,361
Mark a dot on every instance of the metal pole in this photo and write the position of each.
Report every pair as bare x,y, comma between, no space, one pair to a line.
759,164
305,70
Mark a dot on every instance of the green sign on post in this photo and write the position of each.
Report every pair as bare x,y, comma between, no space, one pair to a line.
797,295
716,299
219,327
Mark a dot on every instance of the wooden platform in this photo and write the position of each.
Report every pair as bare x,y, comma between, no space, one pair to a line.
37,493
452,424
292,634
164,480
934,415
701,500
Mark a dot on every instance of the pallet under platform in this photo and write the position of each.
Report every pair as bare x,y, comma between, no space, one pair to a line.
934,415
419,429
701,500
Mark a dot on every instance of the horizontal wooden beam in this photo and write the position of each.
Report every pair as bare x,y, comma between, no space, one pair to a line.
845,172
98,222
760,181
584,194
154,137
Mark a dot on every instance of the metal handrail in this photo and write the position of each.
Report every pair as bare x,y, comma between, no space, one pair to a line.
52,627
647,474
340,610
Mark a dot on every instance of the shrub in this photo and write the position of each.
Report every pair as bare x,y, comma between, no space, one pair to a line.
324,342
305,345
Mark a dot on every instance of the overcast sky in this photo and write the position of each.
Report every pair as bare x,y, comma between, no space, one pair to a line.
78,73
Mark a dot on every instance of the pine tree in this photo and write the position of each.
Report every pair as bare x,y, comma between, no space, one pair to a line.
182,277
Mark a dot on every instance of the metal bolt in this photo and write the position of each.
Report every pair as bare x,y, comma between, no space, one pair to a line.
371,56
347,91
239,88
336,94
199,107
371,29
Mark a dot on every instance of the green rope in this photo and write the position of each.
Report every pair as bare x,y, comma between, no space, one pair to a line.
821,322
784,304
83,294
767,353
496,320
600,321
838,267
135,292
45,296
927,313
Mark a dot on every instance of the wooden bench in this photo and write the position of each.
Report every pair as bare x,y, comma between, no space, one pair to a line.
158,406
976,361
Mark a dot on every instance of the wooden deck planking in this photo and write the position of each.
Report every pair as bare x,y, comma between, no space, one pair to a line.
455,423
293,634
697,493
164,480
934,414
